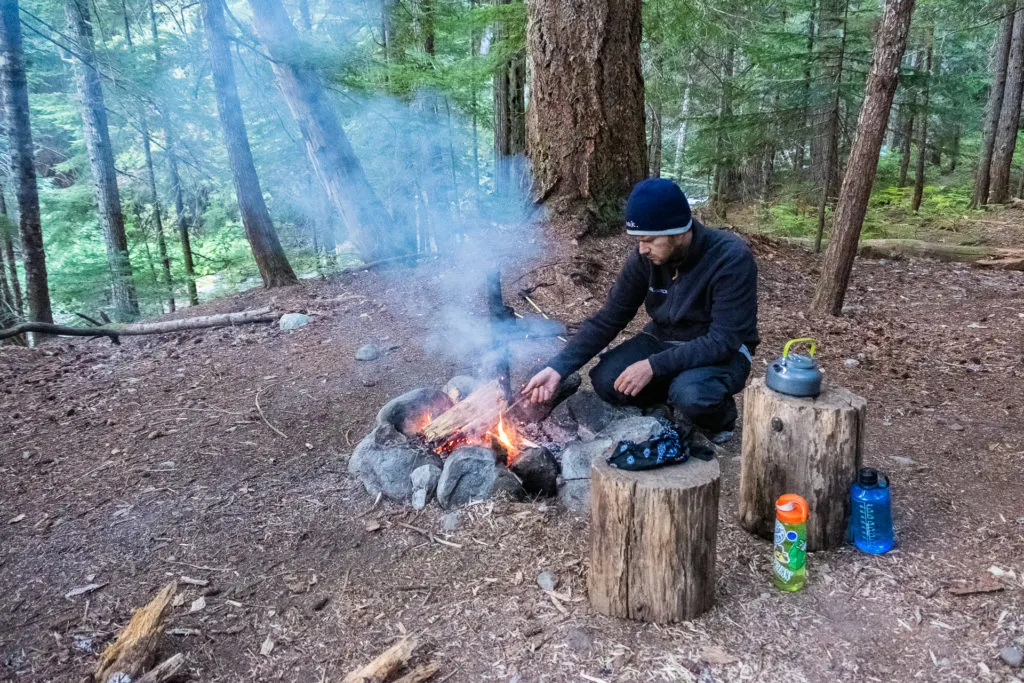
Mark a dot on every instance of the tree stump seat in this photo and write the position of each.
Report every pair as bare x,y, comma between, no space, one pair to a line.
807,446
652,540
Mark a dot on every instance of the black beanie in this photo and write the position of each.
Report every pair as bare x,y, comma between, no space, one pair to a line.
657,206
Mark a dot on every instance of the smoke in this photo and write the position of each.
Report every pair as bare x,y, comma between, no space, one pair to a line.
431,164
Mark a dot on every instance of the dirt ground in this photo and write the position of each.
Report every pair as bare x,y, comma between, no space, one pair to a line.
131,466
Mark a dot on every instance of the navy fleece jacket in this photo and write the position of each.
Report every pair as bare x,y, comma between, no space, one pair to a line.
704,308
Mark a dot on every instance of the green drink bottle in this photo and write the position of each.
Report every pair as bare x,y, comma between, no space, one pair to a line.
789,566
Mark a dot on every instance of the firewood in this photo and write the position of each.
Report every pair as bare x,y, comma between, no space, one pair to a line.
471,417
419,674
385,664
135,648
166,671
115,330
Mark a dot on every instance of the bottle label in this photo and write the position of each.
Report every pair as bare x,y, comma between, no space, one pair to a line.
790,551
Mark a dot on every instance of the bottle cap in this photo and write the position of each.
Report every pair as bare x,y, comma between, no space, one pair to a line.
791,509
868,477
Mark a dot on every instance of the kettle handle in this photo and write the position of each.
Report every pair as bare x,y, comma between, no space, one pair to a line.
785,349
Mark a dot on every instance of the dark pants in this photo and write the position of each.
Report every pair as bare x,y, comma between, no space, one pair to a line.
704,395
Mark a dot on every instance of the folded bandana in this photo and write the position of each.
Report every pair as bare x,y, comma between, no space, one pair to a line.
664,449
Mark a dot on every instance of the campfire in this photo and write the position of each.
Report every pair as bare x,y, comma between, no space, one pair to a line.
476,420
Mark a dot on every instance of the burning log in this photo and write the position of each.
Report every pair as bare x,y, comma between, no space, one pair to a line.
470,418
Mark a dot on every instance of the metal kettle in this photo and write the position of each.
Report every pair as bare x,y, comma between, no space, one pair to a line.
795,374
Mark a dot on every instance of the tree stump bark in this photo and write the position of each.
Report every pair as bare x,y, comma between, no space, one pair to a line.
652,541
811,447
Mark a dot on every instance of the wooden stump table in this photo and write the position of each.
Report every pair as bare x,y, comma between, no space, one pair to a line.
811,447
652,540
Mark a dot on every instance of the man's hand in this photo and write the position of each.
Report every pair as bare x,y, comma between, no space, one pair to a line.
542,386
634,378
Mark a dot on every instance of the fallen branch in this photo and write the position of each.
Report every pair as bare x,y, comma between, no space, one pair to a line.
262,315
419,674
135,648
978,256
384,261
166,671
473,416
385,664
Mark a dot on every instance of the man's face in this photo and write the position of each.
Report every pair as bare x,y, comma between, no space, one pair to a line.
662,249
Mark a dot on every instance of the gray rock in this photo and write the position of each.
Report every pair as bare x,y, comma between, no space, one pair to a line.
851,362
547,581
900,460
425,477
293,321
367,352
369,382
634,429
591,414
854,309
384,462
579,640
406,412
1012,656
538,470
424,484
450,521
576,459
460,386
472,473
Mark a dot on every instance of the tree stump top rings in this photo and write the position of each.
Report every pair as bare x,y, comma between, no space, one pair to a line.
686,475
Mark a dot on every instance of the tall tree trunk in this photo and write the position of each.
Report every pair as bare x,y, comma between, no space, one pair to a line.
1000,62
1009,117
9,308
22,165
800,154
832,55
101,160
654,148
724,159
922,141
509,119
684,123
831,170
266,248
158,223
181,221
7,242
890,43
954,149
165,261
585,123
906,141
368,223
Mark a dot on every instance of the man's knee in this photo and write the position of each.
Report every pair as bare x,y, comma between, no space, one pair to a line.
603,377
698,396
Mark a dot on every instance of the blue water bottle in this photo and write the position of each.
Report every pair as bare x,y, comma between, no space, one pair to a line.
871,516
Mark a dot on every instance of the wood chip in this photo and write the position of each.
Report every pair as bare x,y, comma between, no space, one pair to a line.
194,582
985,584
267,647
716,656
197,604
82,590
15,520
372,526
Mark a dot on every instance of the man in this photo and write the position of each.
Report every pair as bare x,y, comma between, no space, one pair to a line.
699,287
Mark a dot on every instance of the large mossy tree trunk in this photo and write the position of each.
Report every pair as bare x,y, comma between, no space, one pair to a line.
101,160
259,229
21,152
585,120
